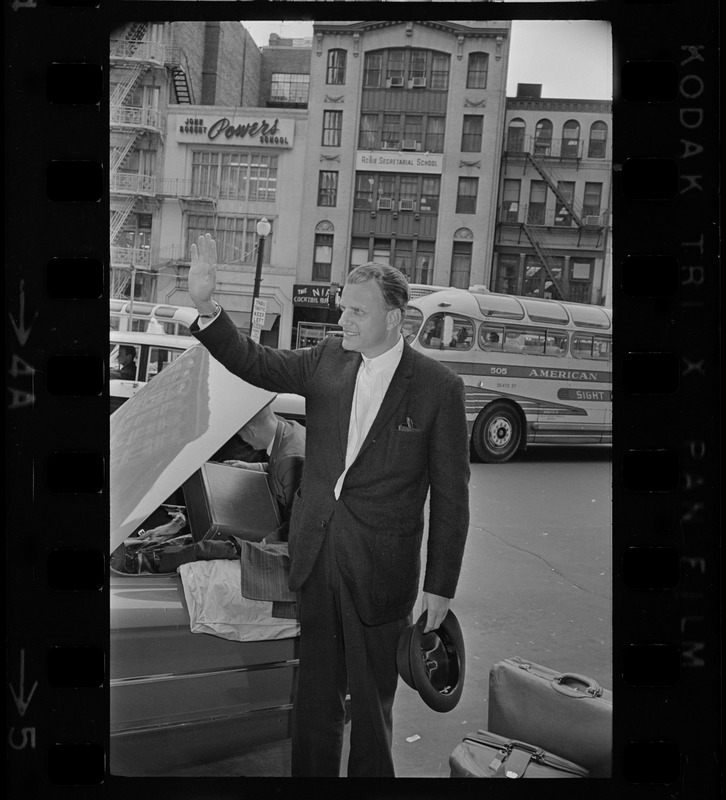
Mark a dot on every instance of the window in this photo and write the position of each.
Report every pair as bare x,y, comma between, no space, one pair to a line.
537,203
491,337
263,177
418,64
515,136
363,197
592,199
448,332
461,265
440,72
424,262
412,131
543,138
205,166
358,252
323,256
476,73
403,256
430,189
466,196
332,128
391,131
372,70
585,345
327,188
598,140
286,87
336,67
236,237
434,135
471,133
198,225
507,276
570,147
233,183
160,357
387,191
395,68
368,134
566,191
510,200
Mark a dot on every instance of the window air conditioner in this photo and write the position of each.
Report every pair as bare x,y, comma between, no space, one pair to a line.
407,205
385,203
390,145
417,83
410,144
394,82
592,220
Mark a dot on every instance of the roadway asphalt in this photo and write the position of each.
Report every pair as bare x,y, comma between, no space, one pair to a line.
536,583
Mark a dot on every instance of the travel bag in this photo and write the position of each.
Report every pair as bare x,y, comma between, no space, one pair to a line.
570,715
223,501
486,755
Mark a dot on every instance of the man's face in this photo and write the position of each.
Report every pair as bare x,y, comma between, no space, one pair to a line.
368,326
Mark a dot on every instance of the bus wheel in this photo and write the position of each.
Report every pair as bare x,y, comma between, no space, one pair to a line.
497,434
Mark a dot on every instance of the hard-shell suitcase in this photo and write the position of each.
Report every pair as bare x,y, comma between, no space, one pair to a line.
568,714
222,500
486,755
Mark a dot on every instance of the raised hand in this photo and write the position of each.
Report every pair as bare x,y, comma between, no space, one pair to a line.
203,273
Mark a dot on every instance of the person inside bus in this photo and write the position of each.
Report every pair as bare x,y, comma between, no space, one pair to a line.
514,342
491,340
459,340
126,364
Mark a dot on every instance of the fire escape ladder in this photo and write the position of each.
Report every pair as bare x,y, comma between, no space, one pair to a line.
552,183
118,217
122,90
544,256
182,89
121,281
119,153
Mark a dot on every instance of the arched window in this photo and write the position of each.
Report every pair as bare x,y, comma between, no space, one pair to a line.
476,73
598,140
570,139
543,138
336,67
515,136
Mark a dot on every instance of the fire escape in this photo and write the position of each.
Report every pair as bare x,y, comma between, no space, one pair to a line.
132,56
534,233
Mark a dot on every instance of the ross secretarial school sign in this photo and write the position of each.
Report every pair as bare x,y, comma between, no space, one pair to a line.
246,131
386,161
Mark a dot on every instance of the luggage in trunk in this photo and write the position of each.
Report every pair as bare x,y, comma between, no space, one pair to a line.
570,715
487,755
222,500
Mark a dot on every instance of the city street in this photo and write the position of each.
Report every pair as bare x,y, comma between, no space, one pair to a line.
536,583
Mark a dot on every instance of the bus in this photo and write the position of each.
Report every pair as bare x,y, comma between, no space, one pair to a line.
535,371
151,317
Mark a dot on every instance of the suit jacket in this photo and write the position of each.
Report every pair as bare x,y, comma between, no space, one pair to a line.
379,517
285,469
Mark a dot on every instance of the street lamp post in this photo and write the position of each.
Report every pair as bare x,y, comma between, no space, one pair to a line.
263,231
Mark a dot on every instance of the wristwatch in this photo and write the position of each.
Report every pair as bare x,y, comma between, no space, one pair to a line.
213,314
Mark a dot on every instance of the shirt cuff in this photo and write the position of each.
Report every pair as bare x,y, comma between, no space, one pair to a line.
203,322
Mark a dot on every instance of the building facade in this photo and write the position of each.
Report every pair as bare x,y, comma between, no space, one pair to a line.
553,222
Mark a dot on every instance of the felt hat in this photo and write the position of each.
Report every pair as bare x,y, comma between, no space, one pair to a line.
433,663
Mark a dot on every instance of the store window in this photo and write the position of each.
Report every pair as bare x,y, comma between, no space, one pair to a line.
466,195
543,138
332,128
476,73
461,265
323,257
597,145
570,147
515,136
327,188
471,135
335,74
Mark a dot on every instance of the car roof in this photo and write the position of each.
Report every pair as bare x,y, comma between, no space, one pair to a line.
155,339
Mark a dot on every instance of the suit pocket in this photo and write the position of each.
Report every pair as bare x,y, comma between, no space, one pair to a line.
409,444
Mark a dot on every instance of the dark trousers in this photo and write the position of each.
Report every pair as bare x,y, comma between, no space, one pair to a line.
338,653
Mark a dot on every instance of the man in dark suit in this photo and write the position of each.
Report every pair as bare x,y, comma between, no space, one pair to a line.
386,428
284,442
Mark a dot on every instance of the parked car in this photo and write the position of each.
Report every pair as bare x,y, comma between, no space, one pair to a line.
177,697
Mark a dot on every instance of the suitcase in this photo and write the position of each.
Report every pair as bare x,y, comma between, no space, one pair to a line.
570,715
487,755
222,500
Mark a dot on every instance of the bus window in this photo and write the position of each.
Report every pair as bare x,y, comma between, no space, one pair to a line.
491,337
448,332
160,357
556,344
587,346
411,323
514,340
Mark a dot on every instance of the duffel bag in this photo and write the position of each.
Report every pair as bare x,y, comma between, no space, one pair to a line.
485,755
565,713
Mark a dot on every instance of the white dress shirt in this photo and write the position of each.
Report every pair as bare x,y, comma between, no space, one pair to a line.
372,382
